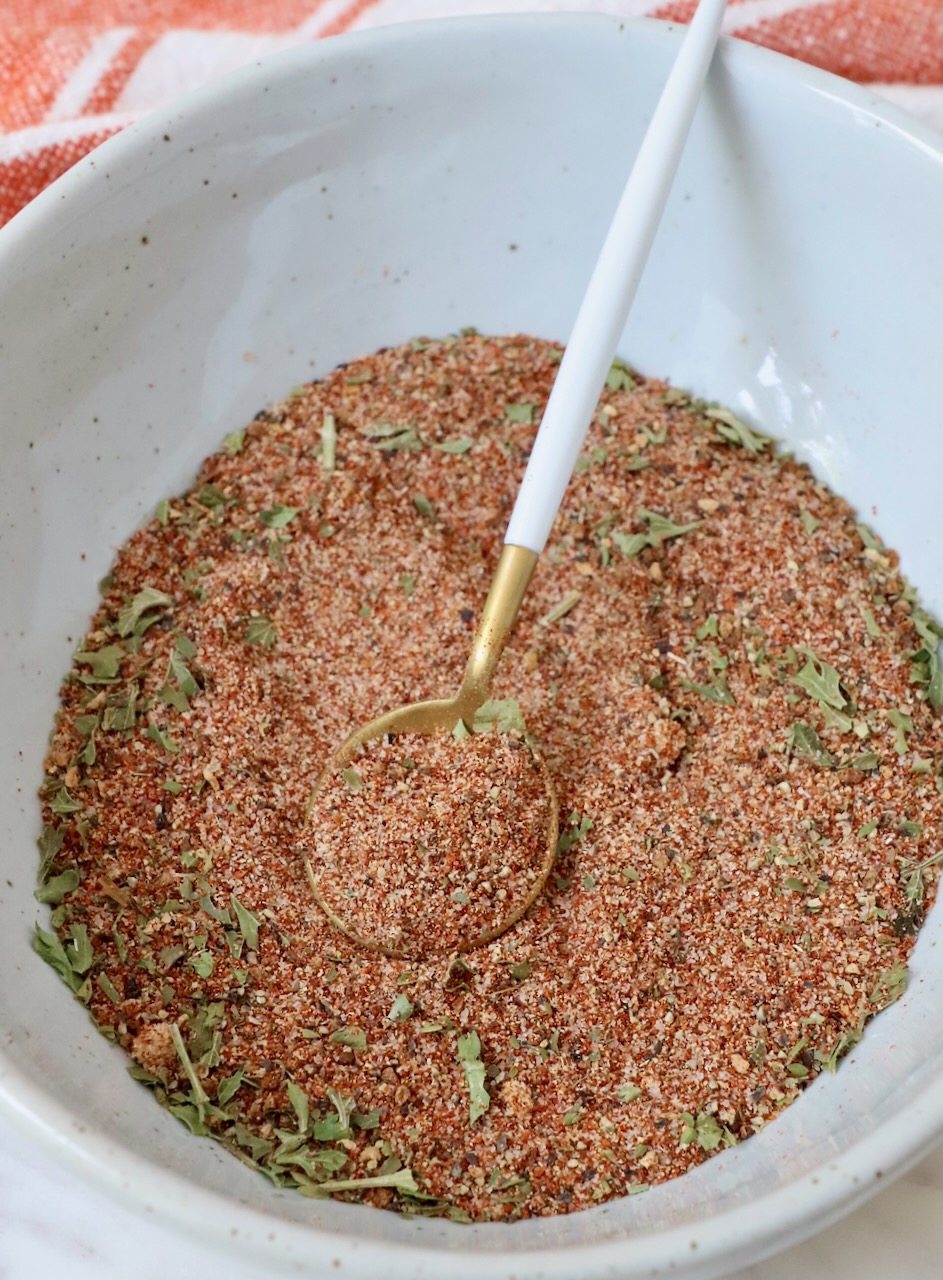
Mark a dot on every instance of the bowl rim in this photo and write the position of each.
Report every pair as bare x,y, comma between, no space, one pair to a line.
48,203
785,1216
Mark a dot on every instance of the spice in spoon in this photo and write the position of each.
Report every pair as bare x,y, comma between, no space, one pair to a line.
424,844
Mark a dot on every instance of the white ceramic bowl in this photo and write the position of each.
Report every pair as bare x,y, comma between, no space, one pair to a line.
352,194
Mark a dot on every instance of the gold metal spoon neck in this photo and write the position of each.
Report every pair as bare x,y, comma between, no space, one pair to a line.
512,576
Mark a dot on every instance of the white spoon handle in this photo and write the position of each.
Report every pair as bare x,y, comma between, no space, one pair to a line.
612,288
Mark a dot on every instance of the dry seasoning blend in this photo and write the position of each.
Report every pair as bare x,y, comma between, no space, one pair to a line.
737,696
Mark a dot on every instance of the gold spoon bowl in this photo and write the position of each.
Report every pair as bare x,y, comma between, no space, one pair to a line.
512,577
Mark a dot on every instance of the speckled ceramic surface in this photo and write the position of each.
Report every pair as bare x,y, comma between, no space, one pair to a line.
51,1223
350,195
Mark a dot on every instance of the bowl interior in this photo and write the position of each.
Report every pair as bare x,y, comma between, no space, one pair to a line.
352,195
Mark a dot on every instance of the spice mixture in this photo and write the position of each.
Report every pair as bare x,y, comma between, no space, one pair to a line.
736,695
431,843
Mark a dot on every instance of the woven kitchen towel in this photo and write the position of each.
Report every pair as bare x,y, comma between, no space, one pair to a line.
73,72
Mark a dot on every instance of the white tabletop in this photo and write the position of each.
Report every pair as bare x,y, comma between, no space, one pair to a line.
51,1224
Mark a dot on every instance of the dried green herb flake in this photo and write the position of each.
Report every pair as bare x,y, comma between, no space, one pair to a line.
49,843
180,673
870,540
121,714
139,613
569,602
402,1181
109,988
200,1099
805,742
184,646
870,623
104,663
715,692
660,528
890,986
867,762
56,888
49,948
469,1054
619,377
248,923
79,949
501,714
329,443
735,431
62,804
461,445
902,725
299,1104
219,914
821,682
278,517
203,963
925,662
394,438
336,1127
162,738
400,1009
630,544
628,1092
576,829
351,1037
260,631
702,1129
229,1087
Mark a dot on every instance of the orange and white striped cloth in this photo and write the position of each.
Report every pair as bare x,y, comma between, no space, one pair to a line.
73,72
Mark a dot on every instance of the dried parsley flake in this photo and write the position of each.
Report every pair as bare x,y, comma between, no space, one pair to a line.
703,1130
140,612
735,431
805,742
261,631
248,923
821,682
890,986
717,691
278,517
351,1037
400,1009
469,1054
